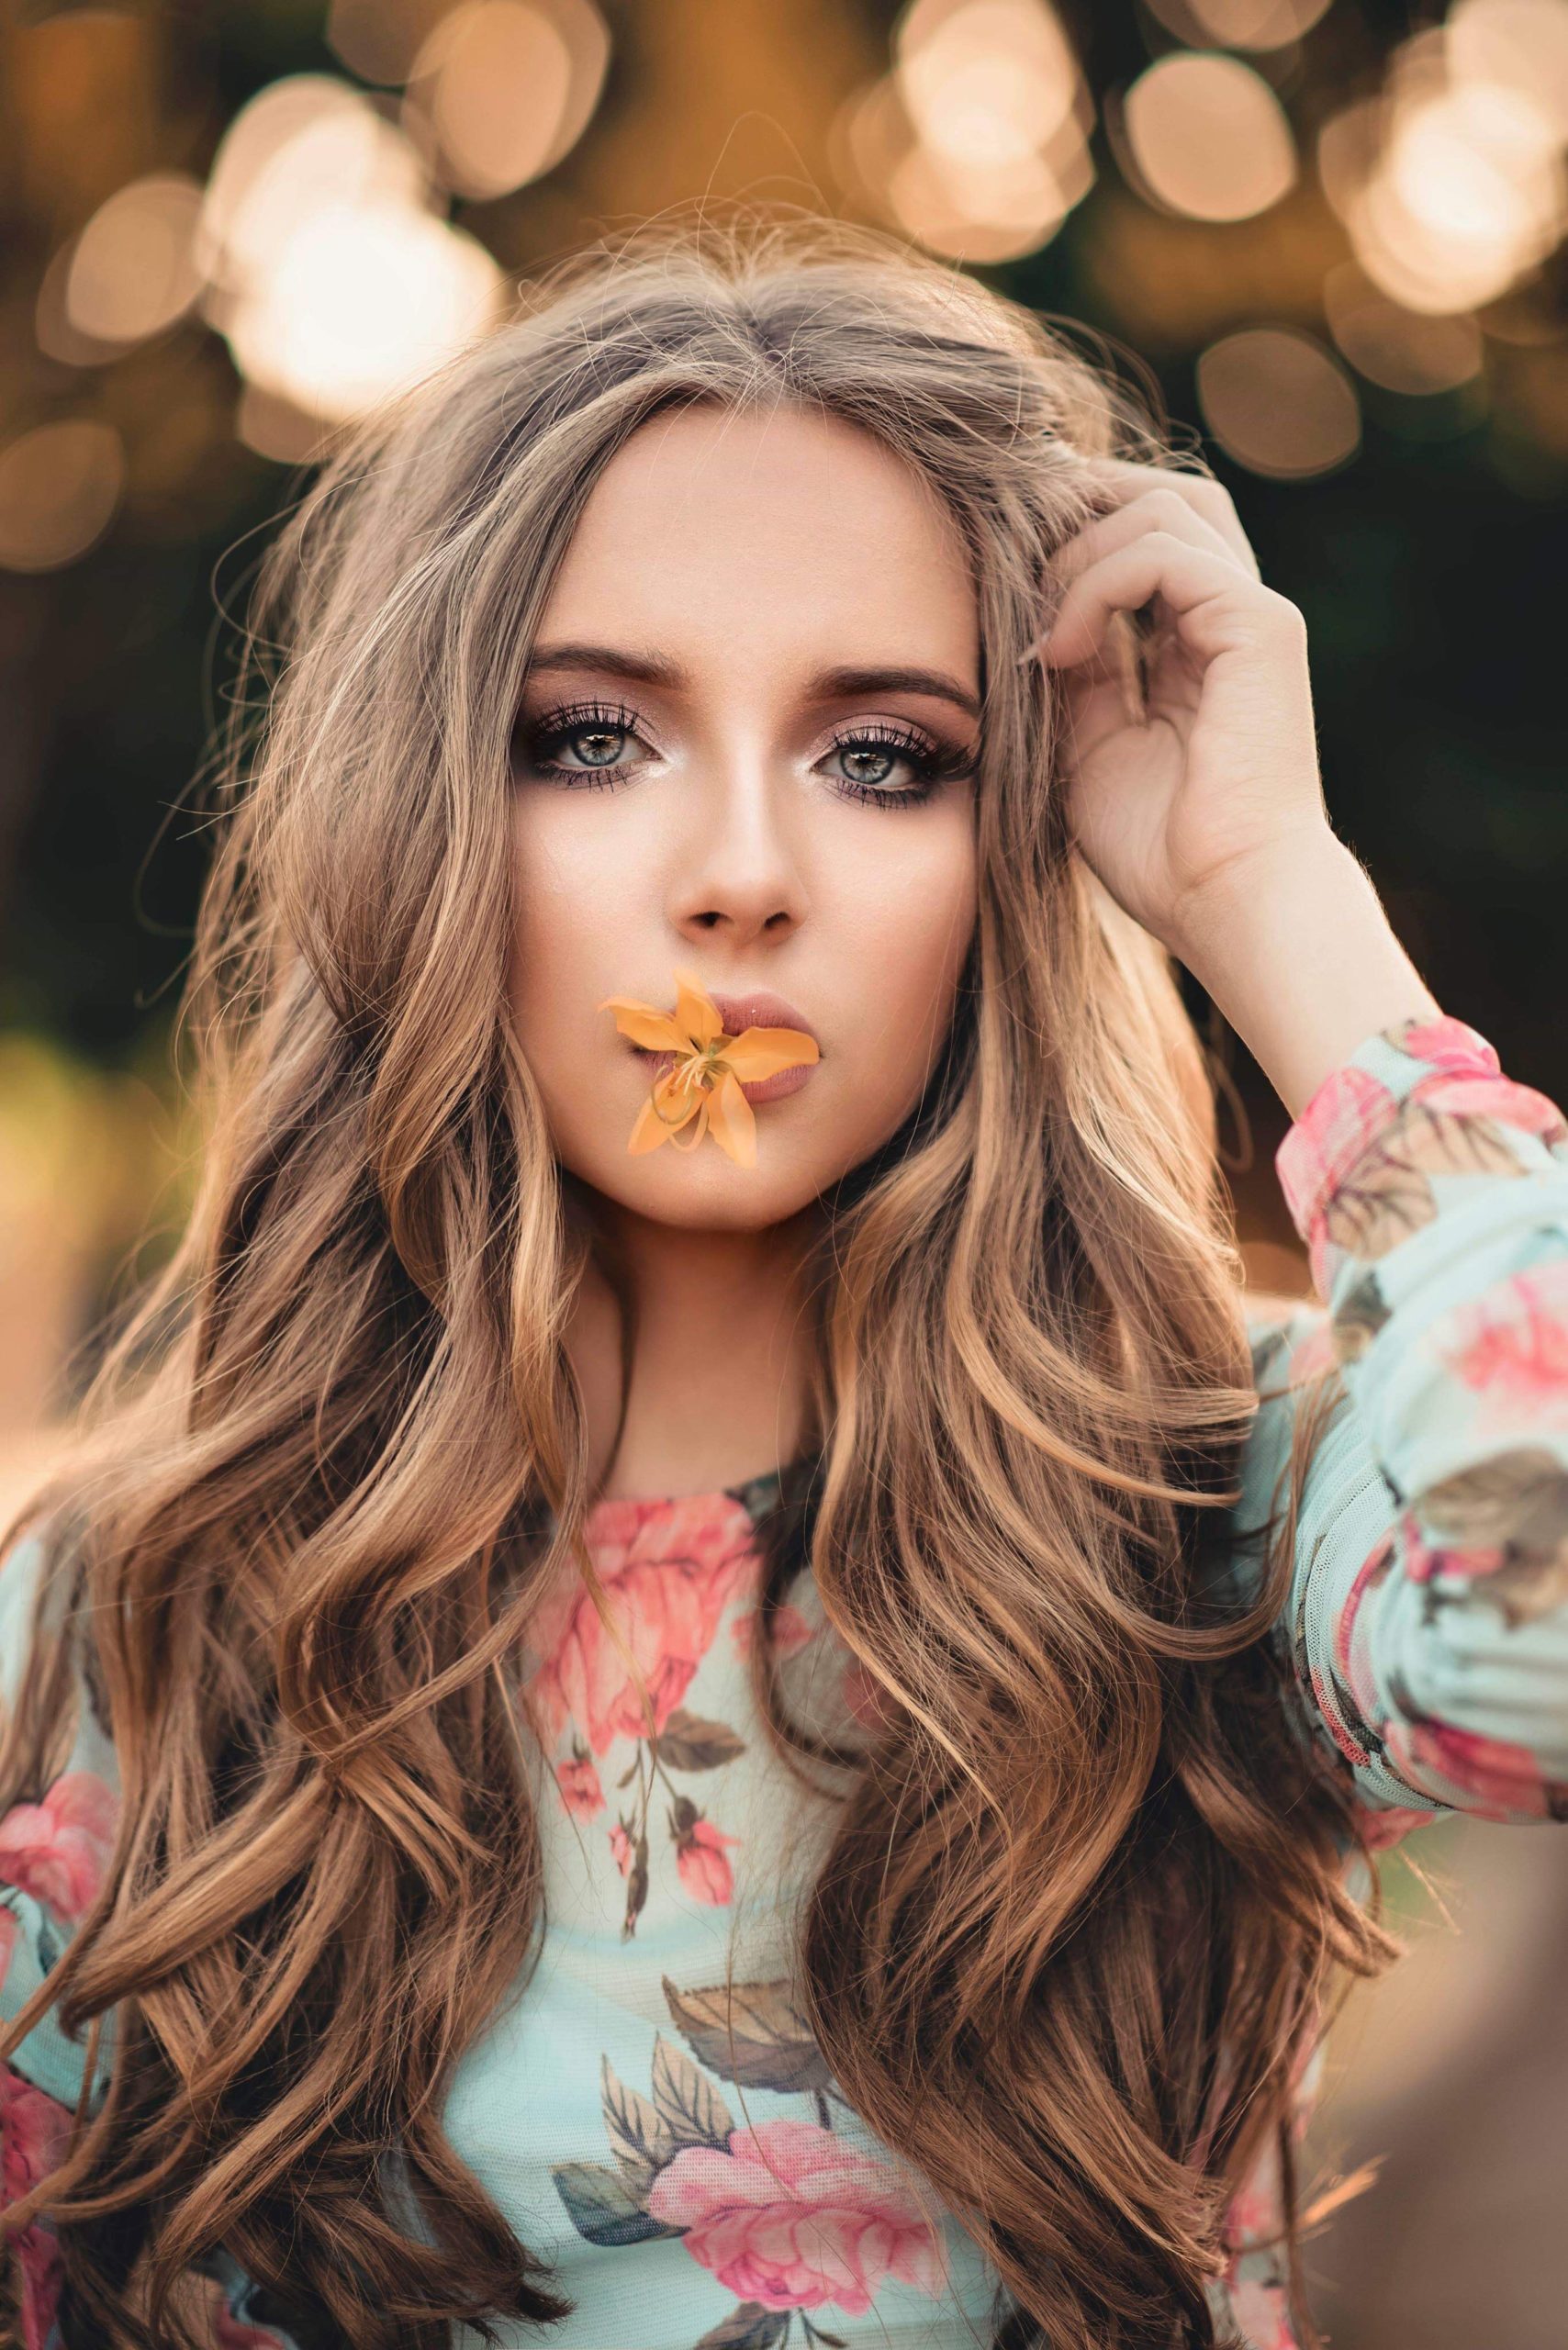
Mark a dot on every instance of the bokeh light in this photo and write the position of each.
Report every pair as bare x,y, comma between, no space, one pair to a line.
1403,350
333,281
379,40
1208,137
1517,45
1239,24
369,299
302,143
1279,402
1451,182
59,484
975,142
505,88
133,271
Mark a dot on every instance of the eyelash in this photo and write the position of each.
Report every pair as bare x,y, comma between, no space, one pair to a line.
933,765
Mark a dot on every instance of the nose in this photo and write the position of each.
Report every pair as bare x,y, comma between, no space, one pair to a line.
736,870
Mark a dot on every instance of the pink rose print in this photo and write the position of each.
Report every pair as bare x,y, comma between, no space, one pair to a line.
1449,1045
33,2131
1392,1824
59,1848
1496,1777
864,1696
791,1630
621,1848
1513,1348
231,2333
580,1789
699,1857
668,1570
791,2217
234,2333
7,1939
1468,1096
1262,2314
1344,1118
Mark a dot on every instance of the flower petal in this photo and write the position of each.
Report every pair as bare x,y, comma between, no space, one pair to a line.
702,1128
732,1121
644,1025
649,1131
695,1011
758,1052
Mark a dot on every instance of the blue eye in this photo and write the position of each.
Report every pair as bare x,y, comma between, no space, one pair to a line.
931,764
595,732
595,723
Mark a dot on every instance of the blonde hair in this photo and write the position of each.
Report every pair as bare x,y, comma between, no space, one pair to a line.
1084,1896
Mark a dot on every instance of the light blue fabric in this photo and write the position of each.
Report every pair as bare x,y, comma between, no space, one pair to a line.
1427,1623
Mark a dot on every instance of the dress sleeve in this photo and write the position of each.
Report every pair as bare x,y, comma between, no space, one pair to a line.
1426,1622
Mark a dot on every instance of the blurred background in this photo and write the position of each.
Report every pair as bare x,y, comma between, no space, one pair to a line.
1325,235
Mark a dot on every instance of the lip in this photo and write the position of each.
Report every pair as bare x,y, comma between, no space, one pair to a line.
759,1007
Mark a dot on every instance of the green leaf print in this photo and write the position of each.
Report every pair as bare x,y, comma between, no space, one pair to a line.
750,2034
689,2106
639,2139
688,1743
602,2208
749,2327
1356,1322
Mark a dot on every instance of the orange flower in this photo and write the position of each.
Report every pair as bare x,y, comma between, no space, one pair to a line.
709,1071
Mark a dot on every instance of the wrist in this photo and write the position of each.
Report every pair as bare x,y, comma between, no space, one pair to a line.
1312,869
1300,959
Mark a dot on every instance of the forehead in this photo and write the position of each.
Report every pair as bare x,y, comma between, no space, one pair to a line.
770,536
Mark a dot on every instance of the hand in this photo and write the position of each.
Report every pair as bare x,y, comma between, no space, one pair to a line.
1173,809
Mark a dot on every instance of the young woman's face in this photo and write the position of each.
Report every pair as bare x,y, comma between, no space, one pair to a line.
746,747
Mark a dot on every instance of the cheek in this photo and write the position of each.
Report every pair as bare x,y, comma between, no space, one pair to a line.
569,894
906,938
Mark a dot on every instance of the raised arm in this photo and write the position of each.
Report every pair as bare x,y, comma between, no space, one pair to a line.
1429,1614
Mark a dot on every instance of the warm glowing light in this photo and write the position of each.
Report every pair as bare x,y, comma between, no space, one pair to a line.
1470,192
1240,24
364,300
133,271
1209,138
977,214
60,485
986,82
1403,350
379,40
507,87
1279,403
333,282
977,142
273,427
1350,148
301,144
1516,44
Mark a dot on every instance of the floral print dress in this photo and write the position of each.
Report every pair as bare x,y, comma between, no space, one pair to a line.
651,2110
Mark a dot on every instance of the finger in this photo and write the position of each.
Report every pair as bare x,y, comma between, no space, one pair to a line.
1160,508
1215,606
1207,498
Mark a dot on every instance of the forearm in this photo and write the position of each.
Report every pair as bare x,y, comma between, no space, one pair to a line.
1301,961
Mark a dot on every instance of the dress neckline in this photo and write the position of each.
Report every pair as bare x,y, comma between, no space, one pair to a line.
613,1513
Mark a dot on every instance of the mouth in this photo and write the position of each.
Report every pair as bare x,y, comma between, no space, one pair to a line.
759,1008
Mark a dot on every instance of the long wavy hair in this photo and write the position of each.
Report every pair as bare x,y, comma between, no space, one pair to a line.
1085,1901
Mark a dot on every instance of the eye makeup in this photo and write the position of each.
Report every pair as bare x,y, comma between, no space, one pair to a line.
930,763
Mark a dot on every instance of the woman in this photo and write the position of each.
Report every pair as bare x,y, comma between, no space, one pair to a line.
671,1709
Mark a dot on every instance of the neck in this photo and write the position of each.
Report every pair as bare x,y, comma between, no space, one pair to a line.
721,1356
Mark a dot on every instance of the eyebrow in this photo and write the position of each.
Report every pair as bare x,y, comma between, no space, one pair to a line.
828,685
